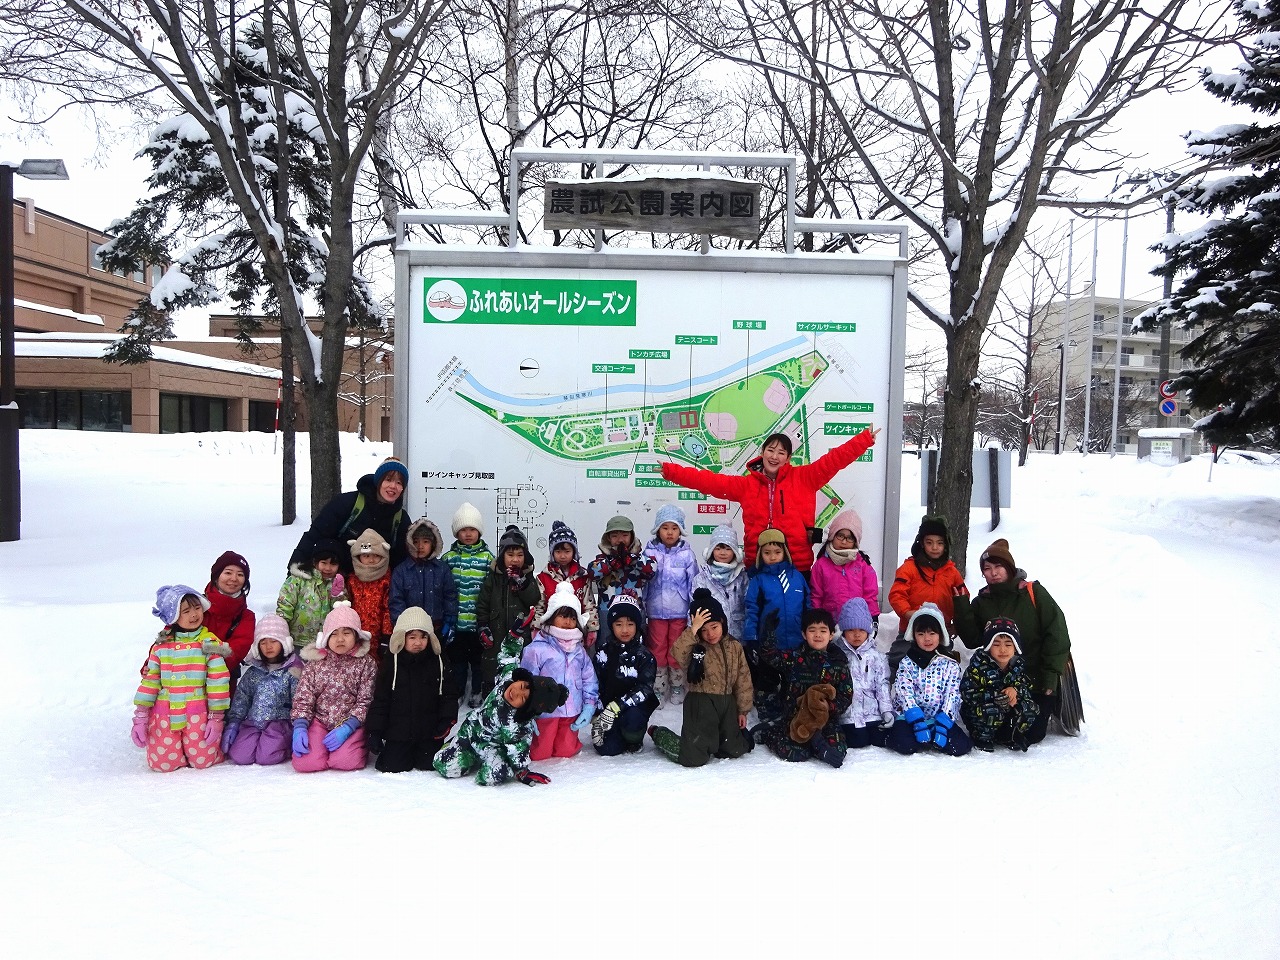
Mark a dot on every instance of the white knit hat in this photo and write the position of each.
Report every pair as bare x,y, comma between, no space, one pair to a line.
564,597
467,516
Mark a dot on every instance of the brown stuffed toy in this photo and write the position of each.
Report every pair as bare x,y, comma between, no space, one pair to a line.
812,712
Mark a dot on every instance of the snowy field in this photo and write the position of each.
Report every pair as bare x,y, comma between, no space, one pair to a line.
1153,835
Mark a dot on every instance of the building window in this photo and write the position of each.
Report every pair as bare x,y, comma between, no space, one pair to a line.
94,262
75,409
139,276
157,272
182,413
262,416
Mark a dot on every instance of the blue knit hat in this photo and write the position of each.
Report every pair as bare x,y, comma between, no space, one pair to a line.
855,615
669,513
169,601
389,465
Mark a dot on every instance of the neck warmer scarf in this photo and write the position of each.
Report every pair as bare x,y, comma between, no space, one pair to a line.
367,573
921,658
567,639
721,573
841,557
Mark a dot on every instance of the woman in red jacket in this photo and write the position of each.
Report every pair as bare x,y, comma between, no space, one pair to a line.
775,494
229,617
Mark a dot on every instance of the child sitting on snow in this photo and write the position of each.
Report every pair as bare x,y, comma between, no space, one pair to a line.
332,700
667,596
493,740
183,695
842,571
724,576
625,668
414,698
870,716
424,580
370,588
715,712
996,698
926,691
816,691
308,593
556,651
258,726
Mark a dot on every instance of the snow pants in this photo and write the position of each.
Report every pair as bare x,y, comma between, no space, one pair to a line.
1048,703
830,749
710,729
903,739
265,747
464,657
627,733
660,636
352,755
555,738
869,736
169,750
463,758
401,756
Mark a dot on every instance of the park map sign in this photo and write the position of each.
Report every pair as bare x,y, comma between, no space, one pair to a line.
544,393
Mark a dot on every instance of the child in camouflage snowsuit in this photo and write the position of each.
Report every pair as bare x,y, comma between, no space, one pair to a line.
469,560
996,699
816,690
493,740
308,593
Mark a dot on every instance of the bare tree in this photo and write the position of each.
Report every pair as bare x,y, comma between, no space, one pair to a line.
187,52
1005,100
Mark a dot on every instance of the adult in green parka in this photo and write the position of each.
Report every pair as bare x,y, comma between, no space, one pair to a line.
1046,644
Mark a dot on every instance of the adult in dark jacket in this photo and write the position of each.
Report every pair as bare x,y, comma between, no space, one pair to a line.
375,504
414,699
773,493
424,580
1042,627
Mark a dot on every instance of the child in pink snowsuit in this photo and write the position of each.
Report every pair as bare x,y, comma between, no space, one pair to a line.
333,696
185,688
258,727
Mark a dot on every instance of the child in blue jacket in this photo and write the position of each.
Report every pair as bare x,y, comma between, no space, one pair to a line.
424,580
777,597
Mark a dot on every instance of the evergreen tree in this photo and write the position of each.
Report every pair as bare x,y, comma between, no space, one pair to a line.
1230,268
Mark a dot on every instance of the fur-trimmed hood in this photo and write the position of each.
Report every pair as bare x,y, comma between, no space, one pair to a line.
435,536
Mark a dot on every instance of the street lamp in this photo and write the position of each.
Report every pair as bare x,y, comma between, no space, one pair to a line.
10,475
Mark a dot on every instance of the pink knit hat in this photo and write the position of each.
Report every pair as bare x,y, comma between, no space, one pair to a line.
270,626
342,615
846,520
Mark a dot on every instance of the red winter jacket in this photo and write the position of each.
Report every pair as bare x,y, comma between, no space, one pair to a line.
218,620
787,503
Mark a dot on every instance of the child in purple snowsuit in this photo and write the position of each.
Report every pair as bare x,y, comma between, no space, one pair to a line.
258,725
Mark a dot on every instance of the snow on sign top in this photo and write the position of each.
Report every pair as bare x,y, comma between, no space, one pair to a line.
680,203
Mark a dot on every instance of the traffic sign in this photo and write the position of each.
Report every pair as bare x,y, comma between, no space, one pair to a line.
1169,408
1166,390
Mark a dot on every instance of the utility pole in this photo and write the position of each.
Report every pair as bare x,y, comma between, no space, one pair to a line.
1115,395
1066,339
1169,204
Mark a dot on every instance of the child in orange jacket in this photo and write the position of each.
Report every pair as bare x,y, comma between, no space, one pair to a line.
928,576
370,588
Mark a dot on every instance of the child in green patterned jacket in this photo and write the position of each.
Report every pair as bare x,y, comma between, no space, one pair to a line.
308,593
468,560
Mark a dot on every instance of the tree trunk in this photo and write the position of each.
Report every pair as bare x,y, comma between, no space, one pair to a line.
960,414
289,478
326,456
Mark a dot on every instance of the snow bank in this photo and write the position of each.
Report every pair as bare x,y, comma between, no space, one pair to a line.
1153,835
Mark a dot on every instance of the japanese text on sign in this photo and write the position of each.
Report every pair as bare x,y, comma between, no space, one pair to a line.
545,302
655,205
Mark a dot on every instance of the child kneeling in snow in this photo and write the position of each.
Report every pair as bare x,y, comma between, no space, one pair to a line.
493,739
927,691
415,700
183,695
258,727
715,712
556,651
996,699
333,696
626,669
870,716
816,691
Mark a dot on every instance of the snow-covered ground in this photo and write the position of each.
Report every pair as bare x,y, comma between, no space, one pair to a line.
1153,835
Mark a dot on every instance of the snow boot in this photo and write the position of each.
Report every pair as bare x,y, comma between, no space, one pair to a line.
986,746
677,690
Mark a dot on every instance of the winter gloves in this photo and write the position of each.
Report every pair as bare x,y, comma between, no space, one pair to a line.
139,732
486,638
919,725
337,587
339,734
212,731
942,725
373,743
531,779
584,717
603,722
229,736
301,742
887,719
697,671
812,712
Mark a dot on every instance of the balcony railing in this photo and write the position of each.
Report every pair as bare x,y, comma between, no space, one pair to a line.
1107,328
